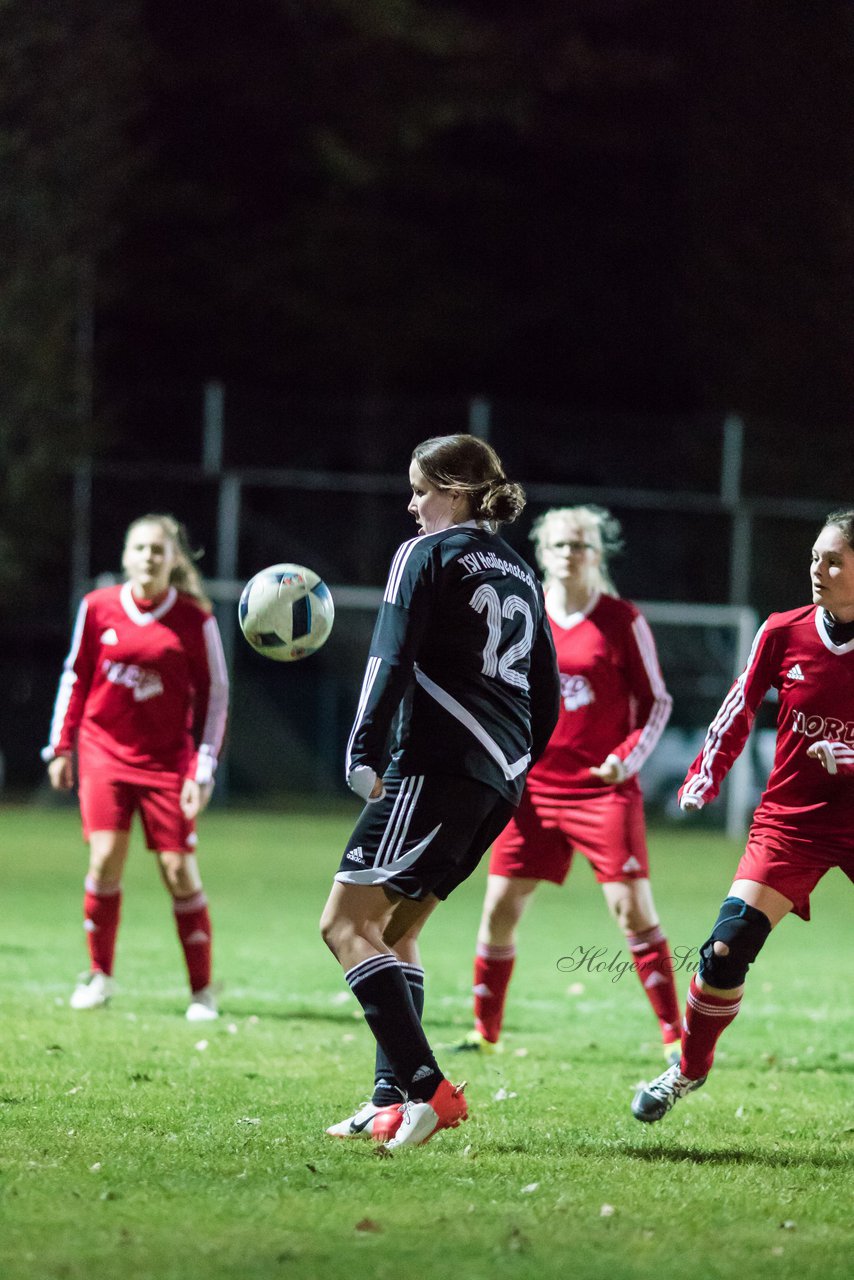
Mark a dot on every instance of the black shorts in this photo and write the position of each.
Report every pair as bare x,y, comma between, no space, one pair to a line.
426,835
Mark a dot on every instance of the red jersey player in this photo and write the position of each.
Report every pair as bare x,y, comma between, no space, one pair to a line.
583,793
804,822
143,699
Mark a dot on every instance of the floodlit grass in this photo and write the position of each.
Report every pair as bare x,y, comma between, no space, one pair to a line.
133,1143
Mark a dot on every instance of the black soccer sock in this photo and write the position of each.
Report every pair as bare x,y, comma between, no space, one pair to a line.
379,985
387,1090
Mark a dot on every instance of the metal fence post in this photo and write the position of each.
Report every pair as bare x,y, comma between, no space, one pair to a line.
228,535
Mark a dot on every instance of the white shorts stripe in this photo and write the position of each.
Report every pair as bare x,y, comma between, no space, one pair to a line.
394,835
414,790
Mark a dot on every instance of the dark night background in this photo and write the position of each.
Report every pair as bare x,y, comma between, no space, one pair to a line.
617,222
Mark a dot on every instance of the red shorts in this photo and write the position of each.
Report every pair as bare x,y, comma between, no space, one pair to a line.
107,805
542,835
792,864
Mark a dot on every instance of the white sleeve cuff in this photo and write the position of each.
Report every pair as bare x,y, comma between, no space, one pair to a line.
690,804
205,768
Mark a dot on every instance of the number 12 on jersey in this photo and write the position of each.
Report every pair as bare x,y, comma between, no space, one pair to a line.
497,663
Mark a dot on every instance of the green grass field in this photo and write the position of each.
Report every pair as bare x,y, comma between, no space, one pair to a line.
134,1143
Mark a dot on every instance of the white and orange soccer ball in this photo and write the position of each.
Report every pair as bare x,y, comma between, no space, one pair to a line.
286,612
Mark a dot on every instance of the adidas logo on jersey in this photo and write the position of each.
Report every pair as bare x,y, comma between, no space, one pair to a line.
356,855
109,636
795,673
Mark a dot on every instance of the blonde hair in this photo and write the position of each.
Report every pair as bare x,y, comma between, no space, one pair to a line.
471,465
589,516
185,577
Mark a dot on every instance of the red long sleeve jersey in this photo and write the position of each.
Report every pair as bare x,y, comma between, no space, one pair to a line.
613,700
793,654
144,691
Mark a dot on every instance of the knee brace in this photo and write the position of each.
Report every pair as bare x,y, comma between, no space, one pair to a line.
743,930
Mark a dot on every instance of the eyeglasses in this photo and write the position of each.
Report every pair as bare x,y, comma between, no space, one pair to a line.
574,548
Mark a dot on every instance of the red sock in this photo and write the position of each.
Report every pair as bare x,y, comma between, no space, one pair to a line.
493,967
654,964
194,930
705,1018
101,911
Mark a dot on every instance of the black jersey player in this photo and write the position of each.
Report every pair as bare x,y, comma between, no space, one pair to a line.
462,674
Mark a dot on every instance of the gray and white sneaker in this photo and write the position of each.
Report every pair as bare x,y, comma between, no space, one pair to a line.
93,991
655,1100
202,1006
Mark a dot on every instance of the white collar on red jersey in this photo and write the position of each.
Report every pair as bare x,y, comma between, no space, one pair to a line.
567,621
144,617
820,627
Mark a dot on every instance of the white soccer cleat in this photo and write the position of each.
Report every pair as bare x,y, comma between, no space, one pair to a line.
655,1100
370,1121
420,1120
93,991
203,1006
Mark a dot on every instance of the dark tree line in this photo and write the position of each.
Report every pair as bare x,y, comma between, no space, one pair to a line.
627,205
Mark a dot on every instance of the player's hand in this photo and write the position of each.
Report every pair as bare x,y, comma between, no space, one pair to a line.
366,783
824,754
611,770
195,797
60,771
689,804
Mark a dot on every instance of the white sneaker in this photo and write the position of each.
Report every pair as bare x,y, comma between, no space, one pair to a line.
361,1125
202,1007
93,991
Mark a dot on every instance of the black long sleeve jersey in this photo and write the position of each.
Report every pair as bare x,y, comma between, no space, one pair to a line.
462,655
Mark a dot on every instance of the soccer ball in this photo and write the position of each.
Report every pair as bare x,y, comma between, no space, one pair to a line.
286,612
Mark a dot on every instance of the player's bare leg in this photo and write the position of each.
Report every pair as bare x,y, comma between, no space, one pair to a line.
631,904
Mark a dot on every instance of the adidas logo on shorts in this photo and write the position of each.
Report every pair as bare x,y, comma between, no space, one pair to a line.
356,855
